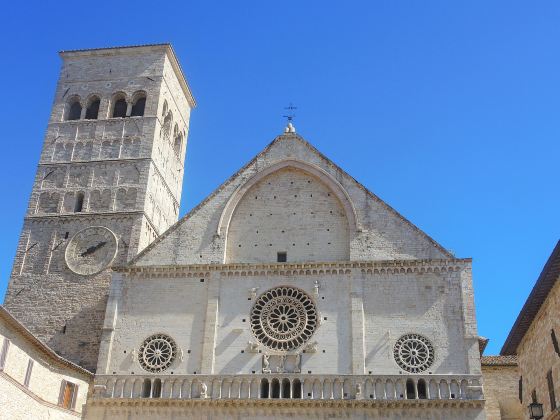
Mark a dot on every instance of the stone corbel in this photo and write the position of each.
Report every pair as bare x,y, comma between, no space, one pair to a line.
311,347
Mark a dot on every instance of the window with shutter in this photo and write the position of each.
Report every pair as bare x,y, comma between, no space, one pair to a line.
4,353
28,373
551,395
68,395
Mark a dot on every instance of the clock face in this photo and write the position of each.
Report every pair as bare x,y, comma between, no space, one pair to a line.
91,250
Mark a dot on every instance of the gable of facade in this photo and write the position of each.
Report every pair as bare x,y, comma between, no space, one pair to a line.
290,199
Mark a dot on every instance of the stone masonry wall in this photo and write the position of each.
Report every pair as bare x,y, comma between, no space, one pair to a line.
393,304
303,218
380,234
537,355
501,392
111,167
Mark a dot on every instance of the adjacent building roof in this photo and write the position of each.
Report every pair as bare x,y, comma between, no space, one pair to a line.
542,288
42,347
498,360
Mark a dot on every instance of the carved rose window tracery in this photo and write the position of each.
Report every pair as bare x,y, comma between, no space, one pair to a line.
157,353
413,353
283,318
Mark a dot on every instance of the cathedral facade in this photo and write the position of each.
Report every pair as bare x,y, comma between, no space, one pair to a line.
290,291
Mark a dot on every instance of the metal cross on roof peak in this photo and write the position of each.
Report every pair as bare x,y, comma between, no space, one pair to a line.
290,108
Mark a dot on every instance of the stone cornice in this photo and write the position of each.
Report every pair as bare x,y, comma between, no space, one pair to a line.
298,269
287,402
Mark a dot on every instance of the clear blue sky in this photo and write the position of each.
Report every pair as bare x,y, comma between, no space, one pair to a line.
449,111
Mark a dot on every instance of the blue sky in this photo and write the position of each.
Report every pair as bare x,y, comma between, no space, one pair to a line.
449,111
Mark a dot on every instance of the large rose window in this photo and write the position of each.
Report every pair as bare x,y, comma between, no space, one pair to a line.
284,318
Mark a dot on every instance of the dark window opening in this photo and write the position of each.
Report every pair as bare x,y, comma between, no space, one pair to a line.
296,392
534,396
410,394
138,108
422,394
286,388
146,388
281,257
119,110
75,111
555,342
92,110
551,394
521,389
66,235
275,389
79,204
264,388
64,329
156,391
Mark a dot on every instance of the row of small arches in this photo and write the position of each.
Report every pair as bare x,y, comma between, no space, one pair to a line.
119,106
293,388
98,200
178,136
128,148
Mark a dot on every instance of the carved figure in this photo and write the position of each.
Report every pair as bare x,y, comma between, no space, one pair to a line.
265,363
280,368
253,292
316,287
358,391
297,364
203,390
253,347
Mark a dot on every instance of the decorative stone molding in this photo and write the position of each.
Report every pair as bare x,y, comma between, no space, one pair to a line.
300,269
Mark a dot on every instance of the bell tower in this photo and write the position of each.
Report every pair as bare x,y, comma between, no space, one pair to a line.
108,183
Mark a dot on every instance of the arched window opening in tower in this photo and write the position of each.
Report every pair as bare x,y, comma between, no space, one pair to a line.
79,202
178,140
92,109
75,110
139,106
119,108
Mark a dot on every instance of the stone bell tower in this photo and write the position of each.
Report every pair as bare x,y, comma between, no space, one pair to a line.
108,183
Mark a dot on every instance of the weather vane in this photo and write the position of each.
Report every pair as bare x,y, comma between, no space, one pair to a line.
290,108
290,117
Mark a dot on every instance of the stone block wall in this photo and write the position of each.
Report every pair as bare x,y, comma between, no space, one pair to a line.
97,171
501,389
207,312
538,355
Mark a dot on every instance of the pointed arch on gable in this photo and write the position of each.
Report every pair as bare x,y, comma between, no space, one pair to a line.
326,178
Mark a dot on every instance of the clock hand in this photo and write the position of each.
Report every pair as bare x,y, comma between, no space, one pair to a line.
92,249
